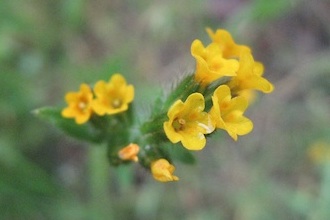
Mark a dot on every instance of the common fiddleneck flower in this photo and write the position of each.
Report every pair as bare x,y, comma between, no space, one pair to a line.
188,122
163,171
129,152
79,104
226,43
210,63
112,97
249,76
227,112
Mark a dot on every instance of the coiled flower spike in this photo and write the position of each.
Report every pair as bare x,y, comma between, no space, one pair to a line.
212,96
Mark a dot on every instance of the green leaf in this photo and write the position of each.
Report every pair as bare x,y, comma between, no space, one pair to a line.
85,131
177,152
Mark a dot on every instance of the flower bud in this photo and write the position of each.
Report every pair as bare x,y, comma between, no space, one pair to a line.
129,152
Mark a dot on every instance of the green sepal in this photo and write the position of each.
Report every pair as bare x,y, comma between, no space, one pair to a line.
177,152
85,131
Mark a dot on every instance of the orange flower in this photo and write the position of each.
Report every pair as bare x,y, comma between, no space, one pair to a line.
129,152
79,104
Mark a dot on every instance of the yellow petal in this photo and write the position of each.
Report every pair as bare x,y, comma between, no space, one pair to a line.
100,88
246,67
258,83
194,102
193,141
171,134
84,88
222,93
82,118
197,48
68,112
215,113
99,107
258,69
129,94
224,39
238,103
71,97
175,109
242,126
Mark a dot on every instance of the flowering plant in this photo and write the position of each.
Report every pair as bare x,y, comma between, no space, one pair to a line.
211,98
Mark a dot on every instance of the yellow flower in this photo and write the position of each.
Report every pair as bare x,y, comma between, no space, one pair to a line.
319,152
249,76
210,63
249,95
226,43
227,112
129,152
112,97
163,171
79,104
188,123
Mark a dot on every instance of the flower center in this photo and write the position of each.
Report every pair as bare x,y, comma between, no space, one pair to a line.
178,124
82,105
116,103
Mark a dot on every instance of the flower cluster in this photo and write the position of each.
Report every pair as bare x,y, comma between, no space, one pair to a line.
105,98
224,70
214,97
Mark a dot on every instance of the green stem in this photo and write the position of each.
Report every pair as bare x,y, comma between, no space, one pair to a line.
98,170
182,91
154,125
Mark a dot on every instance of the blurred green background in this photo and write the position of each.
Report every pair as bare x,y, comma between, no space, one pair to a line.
49,47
